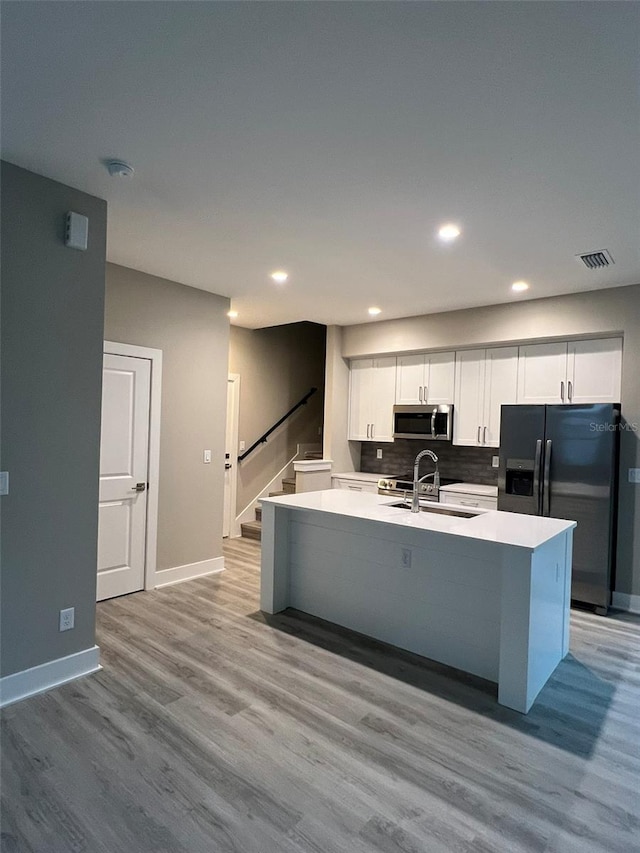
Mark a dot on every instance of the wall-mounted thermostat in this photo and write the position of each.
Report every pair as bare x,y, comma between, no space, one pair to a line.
77,231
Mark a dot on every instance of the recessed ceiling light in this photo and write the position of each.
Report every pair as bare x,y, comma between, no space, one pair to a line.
374,311
232,314
448,233
280,276
519,286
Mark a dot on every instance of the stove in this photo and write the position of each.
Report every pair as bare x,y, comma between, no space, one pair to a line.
403,485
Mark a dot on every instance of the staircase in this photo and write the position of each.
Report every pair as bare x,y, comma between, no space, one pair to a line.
253,529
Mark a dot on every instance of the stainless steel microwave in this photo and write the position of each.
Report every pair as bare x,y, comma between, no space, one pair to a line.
434,423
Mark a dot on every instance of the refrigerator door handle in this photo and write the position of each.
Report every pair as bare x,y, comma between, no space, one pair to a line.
537,465
546,497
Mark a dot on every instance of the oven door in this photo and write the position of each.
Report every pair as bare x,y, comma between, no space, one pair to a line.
431,423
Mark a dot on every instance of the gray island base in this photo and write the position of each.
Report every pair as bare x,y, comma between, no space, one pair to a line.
487,594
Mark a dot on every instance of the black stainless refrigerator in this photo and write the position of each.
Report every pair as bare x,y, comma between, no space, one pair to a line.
562,461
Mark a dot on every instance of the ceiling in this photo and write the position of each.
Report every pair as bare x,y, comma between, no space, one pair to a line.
331,140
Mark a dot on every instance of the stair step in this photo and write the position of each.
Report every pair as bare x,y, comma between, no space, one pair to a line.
289,485
258,513
252,530
276,494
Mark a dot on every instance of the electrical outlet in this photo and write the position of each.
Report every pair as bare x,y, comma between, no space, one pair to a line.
67,619
495,461
206,457
634,475
379,453
406,558
4,482
241,447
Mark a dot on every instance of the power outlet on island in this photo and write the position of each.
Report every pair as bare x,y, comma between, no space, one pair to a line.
405,558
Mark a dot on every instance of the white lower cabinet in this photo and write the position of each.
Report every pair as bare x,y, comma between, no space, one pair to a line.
353,485
471,495
486,379
372,392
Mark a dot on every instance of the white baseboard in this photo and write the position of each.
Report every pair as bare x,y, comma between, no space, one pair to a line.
29,682
189,572
623,601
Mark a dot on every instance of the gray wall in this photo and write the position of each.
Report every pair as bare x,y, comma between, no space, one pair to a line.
595,313
52,320
277,366
191,328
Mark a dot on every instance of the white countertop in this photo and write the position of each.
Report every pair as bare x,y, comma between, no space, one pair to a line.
505,528
360,475
471,489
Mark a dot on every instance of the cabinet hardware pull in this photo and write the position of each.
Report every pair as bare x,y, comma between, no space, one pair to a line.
479,428
570,390
562,391
368,425
425,393
469,503
372,430
419,393
484,436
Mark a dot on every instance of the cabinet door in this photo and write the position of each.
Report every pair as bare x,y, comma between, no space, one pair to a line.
500,388
360,373
409,380
594,369
383,394
439,377
542,373
469,397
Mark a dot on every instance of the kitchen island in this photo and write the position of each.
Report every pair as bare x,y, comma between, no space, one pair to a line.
486,592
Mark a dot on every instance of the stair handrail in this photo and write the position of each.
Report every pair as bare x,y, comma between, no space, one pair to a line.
263,438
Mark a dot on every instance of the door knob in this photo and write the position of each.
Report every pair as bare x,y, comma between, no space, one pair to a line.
139,487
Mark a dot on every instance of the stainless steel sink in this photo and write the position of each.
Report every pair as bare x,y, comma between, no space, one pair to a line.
438,510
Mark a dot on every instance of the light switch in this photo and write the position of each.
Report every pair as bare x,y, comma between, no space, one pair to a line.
241,446
634,475
206,456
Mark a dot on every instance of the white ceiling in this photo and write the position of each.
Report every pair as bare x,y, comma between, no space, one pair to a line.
331,140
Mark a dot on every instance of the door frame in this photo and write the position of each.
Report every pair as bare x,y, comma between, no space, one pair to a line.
153,461
233,400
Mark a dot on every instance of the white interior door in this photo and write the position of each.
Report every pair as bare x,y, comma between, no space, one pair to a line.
231,454
123,475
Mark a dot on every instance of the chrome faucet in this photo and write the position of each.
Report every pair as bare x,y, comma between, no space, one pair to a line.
415,500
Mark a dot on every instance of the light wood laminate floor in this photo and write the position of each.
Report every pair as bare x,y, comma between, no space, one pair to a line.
213,728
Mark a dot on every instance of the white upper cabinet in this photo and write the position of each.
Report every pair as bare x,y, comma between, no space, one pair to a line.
372,389
425,378
542,373
485,380
577,372
594,371
500,389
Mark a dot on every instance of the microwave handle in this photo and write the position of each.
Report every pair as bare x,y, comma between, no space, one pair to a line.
433,422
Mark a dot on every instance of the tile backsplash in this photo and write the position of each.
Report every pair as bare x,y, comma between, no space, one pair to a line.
467,464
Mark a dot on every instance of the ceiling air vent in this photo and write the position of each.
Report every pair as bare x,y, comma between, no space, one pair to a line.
596,260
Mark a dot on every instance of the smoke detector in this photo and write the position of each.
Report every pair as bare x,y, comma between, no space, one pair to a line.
119,169
597,260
